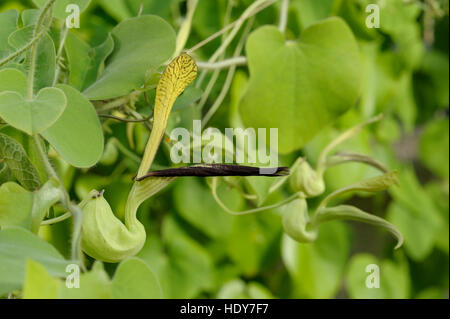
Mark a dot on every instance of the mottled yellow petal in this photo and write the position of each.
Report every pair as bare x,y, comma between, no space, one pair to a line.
175,78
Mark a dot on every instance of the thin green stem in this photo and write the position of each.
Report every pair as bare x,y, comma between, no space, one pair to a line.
185,29
73,209
284,10
62,42
215,75
37,28
141,8
235,61
250,211
229,78
321,163
119,102
58,219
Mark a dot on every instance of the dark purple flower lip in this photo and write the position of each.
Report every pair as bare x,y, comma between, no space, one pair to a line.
211,170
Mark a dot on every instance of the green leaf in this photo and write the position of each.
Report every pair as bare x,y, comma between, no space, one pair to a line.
133,279
32,116
15,205
94,284
317,268
85,62
195,204
300,87
189,96
15,157
238,289
13,80
30,16
394,278
310,12
182,264
77,134
60,6
8,24
26,209
140,43
116,8
251,239
44,72
434,147
18,244
39,284
43,199
415,214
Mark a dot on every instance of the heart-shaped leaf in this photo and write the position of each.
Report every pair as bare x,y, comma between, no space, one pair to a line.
32,116
141,43
300,87
77,135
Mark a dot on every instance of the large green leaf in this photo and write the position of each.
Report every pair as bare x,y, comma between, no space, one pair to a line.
140,43
77,135
317,268
251,240
85,62
134,279
415,214
18,244
300,87
195,204
32,116
434,147
15,157
182,265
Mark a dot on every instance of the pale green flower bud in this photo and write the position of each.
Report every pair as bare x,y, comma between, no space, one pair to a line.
305,179
296,222
104,236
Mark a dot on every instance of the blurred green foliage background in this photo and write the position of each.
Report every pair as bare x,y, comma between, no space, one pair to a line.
198,250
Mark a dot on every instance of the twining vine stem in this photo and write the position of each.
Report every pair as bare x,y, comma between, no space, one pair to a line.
284,11
235,61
